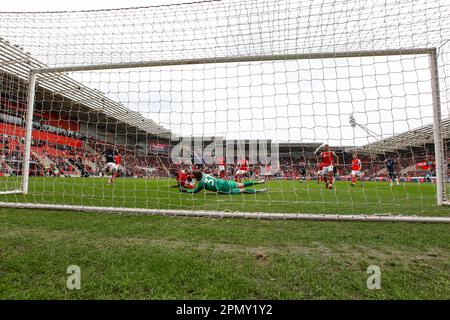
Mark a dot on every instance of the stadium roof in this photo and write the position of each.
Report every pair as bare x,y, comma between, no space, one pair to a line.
17,63
413,138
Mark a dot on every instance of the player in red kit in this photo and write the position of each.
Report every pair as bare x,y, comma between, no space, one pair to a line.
242,170
115,167
319,172
356,168
329,158
184,179
221,164
117,159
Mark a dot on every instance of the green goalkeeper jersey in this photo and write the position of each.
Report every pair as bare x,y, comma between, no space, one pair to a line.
211,183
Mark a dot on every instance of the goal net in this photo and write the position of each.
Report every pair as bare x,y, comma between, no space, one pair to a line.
228,107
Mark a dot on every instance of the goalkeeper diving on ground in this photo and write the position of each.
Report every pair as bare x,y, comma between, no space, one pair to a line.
210,183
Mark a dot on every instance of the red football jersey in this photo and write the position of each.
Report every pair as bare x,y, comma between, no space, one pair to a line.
243,165
327,158
117,159
356,164
220,161
182,177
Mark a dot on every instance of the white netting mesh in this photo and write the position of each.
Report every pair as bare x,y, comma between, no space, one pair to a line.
226,28
365,60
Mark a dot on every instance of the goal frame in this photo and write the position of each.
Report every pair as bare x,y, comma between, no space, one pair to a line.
436,105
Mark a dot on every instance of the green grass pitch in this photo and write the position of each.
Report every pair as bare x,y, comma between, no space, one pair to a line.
154,257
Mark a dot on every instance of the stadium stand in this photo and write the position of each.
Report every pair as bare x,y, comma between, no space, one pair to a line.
72,127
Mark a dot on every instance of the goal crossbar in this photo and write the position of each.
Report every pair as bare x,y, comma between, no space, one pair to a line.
236,59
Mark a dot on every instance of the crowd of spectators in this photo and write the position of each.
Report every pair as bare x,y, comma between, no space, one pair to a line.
49,158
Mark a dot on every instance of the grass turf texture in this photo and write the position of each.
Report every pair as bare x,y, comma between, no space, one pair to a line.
153,257
283,196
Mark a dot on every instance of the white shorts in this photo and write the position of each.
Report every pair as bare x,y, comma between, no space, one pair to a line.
327,170
189,184
356,173
241,172
221,168
110,167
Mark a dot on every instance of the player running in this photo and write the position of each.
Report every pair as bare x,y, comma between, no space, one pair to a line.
329,158
356,169
390,171
210,183
242,170
112,166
